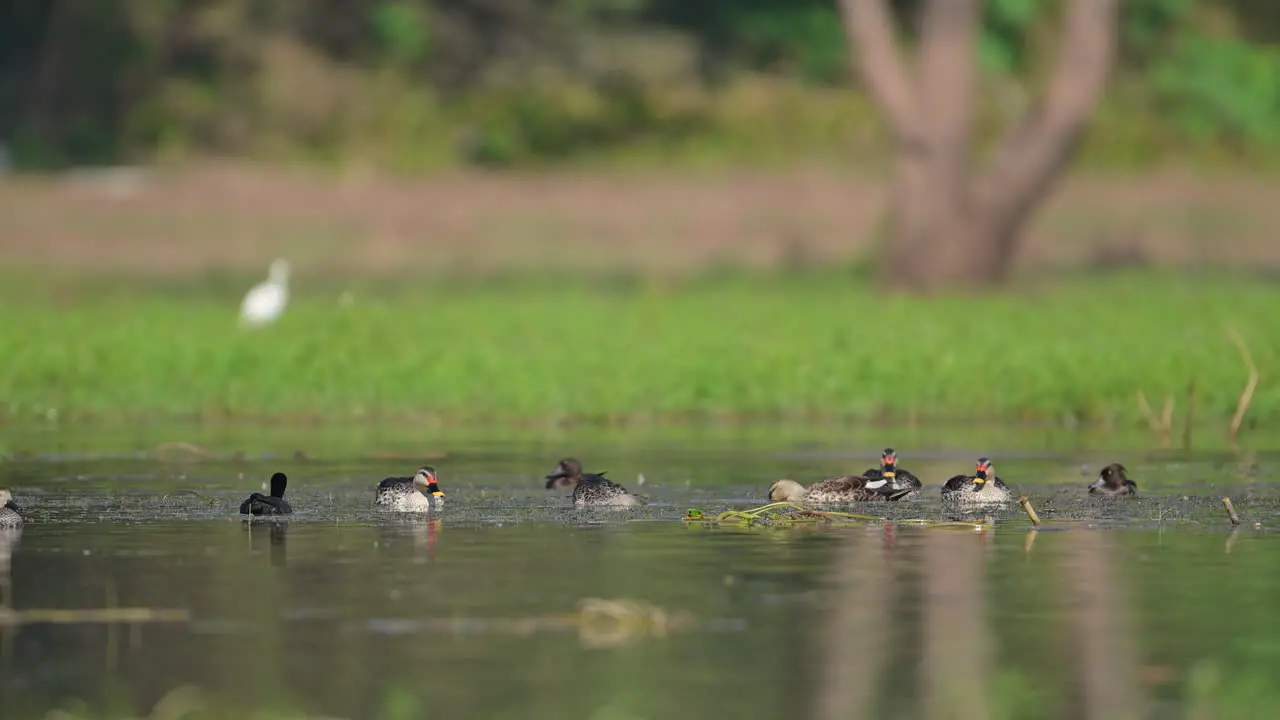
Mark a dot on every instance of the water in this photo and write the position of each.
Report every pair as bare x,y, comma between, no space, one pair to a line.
513,604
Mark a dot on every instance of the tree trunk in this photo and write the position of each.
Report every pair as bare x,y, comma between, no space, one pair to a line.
949,225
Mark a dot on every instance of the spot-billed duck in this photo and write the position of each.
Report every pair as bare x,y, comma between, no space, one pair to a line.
420,493
981,488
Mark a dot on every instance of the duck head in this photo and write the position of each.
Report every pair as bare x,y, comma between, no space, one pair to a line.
982,473
6,500
278,483
1111,479
566,475
785,490
888,464
427,482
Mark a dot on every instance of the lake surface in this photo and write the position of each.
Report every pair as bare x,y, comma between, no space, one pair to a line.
512,604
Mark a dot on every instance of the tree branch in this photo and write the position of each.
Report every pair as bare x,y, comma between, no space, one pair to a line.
868,26
1029,157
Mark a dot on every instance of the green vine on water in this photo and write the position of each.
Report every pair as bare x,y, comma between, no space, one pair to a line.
785,514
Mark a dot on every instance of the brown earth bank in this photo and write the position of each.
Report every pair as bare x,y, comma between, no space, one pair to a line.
235,218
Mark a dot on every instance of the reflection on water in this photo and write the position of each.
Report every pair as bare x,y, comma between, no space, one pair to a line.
511,604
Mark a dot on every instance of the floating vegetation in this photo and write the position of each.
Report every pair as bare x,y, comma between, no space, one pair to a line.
610,623
786,514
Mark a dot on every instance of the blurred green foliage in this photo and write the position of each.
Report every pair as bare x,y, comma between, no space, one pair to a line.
412,84
790,348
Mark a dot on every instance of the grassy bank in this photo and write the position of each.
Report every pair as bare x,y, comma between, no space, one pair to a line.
780,347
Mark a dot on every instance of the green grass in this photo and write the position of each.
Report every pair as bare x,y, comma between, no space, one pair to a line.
790,348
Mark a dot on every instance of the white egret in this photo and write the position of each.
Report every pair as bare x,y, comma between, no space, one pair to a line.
265,302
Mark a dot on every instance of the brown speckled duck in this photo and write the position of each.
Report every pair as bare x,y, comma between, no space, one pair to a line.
589,489
851,488
981,488
1113,481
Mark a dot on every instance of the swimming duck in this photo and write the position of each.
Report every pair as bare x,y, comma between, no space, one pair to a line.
589,488
980,488
851,488
10,514
1113,481
273,504
419,493
891,480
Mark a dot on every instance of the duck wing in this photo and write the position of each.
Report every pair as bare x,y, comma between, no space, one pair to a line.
392,483
599,480
259,504
957,483
905,479
854,487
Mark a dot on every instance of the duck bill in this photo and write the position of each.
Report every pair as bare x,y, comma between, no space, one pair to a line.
1096,484
888,473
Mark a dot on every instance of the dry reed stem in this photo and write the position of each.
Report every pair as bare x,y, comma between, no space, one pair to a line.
1191,415
1025,502
1162,424
1246,396
1231,511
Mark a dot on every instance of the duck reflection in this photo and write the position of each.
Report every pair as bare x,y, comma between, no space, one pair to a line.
272,533
421,534
1106,661
9,538
854,641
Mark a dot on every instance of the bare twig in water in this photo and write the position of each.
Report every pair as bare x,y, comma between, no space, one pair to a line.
1246,395
1231,511
1025,502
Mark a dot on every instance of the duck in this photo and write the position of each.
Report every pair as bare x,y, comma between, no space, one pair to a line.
851,488
265,302
420,493
10,513
891,480
273,504
589,489
983,487
1113,481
